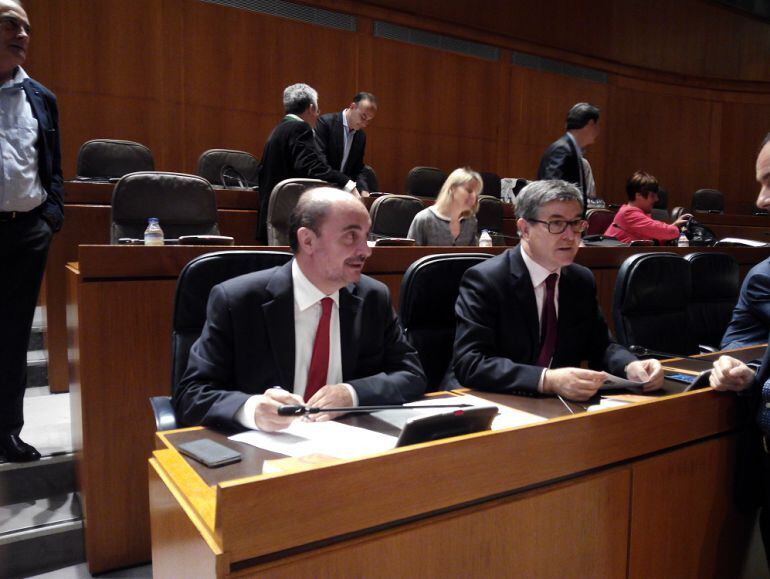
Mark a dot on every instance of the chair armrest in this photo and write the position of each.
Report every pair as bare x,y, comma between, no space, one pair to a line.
165,418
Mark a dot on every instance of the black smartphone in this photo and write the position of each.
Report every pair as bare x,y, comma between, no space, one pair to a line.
210,453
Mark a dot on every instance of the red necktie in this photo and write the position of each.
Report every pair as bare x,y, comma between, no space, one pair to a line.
548,323
319,362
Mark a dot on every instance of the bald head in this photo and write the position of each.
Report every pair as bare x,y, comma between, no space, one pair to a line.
14,37
315,205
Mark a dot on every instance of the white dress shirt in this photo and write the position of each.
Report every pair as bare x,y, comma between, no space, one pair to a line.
20,186
538,275
347,135
307,314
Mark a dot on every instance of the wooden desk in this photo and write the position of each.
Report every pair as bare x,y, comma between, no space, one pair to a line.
119,325
733,225
87,208
627,492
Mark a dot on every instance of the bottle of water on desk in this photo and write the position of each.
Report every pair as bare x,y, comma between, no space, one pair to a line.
683,241
485,240
153,235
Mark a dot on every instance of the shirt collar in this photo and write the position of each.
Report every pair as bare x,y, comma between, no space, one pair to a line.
577,145
537,272
305,293
295,117
15,81
345,122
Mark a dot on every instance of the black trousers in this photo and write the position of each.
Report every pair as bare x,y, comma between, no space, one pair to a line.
764,514
24,243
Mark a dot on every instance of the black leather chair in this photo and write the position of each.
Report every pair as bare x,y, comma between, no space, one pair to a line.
708,200
490,214
184,205
282,202
519,184
715,289
599,220
104,159
660,214
371,179
392,215
491,183
424,181
677,212
226,168
192,294
649,307
427,298
662,202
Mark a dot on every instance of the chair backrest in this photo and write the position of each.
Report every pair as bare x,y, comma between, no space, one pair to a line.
192,294
599,220
662,202
111,159
371,179
212,162
715,289
490,214
708,200
427,298
424,181
184,205
660,214
393,214
677,212
491,184
282,202
650,303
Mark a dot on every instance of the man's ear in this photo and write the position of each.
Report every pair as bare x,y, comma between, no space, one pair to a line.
306,238
523,226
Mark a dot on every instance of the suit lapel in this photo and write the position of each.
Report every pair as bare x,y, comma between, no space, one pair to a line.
350,306
525,295
280,331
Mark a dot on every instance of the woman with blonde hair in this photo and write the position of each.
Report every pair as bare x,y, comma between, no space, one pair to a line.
452,219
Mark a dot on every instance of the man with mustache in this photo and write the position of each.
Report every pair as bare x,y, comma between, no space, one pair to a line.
527,318
30,212
313,330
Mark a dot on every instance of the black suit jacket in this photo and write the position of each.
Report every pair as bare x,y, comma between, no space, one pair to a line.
247,346
751,317
330,139
561,161
291,153
497,337
45,110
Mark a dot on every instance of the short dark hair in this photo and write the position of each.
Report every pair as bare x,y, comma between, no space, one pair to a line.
641,182
765,141
365,96
579,115
310,212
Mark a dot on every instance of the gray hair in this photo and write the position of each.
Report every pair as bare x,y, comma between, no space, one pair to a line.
297,98
539,193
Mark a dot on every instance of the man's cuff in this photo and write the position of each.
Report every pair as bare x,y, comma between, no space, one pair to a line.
349,186
245,414
353,394
542,379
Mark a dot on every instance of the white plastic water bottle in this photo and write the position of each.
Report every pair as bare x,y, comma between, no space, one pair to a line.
153,235
485,240
683,241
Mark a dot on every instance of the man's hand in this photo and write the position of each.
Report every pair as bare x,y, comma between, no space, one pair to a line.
646,371
330,396
266,413
573,383
731,374
354,192
364,193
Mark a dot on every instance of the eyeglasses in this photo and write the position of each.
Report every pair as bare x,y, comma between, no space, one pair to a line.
14,25
558,226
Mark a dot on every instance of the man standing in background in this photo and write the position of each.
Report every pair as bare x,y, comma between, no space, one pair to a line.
30,212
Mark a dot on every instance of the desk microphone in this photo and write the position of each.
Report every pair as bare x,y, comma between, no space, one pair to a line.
642,351
299,410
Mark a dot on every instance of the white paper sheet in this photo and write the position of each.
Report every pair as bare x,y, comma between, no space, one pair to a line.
330,437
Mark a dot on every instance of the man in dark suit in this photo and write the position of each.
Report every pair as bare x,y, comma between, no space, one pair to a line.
313,329
342,141
751,316
30,211
563,158
291,152
527,318
731,374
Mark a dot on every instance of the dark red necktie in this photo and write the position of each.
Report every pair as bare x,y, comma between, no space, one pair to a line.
319,362
548,323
